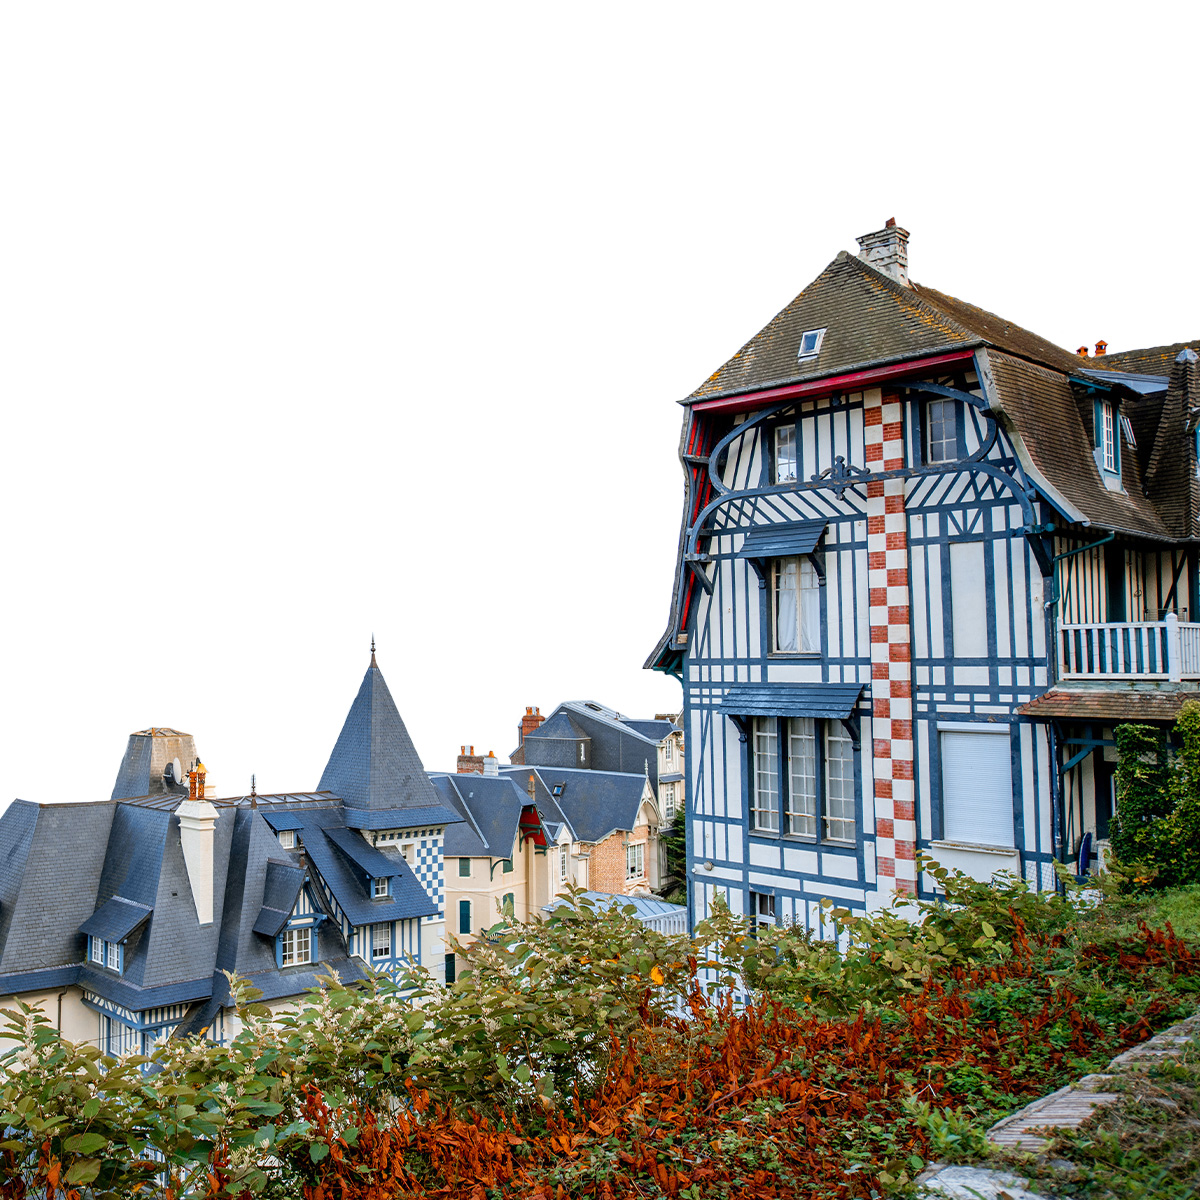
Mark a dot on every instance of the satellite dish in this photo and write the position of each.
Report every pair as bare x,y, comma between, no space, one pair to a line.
173,773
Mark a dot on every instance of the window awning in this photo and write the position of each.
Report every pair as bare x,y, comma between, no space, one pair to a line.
835,700
282,820
116,919
785,538
373,863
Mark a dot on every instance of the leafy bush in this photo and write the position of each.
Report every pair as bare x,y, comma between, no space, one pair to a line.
590,1056
1155,832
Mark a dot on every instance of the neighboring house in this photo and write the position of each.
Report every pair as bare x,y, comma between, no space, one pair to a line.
503,858
602,826
927,560
119,918
671,769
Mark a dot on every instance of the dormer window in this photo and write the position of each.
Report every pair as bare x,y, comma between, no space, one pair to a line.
810,343
381,888
287,839
295,946
112,956
97,951
1108,436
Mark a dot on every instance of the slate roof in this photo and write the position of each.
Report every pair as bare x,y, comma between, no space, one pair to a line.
558,725
493,804
116,919
592,803
463,839
374,764
115,869
616,745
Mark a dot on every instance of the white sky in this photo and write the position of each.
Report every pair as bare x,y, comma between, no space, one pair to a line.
325,320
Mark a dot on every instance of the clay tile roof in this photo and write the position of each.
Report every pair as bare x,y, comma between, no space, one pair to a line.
1108,706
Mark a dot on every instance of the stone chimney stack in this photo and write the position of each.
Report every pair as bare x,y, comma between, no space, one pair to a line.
490,764
196,820
470,763
887,250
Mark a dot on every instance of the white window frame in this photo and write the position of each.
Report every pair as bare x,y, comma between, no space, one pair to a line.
381,888
764,797
112,956
795,606
635,861
295,948
785,455
944,448
381,940
668,801
98,951
810,344
563,852
762,909
818,801
287,839
1108,436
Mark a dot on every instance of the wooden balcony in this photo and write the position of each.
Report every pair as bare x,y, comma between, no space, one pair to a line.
1167,650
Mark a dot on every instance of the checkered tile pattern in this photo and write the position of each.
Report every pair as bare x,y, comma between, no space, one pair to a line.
428,870
891,660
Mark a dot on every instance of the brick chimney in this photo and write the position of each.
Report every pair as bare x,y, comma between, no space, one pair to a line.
470,763
886,250
490,765
531,721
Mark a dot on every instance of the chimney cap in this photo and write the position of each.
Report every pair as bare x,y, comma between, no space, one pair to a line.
1101,348
1082,352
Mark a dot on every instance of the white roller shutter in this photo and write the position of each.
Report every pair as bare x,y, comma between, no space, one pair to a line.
977,796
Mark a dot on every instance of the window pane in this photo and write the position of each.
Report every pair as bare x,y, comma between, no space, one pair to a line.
1110,441
787,604
839,783
940,417
766,775
785,453
802,758
810,608
381,941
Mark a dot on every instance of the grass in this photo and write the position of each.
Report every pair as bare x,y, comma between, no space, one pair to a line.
1119,915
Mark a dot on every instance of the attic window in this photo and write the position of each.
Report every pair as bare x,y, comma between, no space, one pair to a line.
287,839
810,343
557,790
381,888
1127,431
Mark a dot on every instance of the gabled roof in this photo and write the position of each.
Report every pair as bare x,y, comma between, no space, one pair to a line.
1154,360
593,803
559,725
493,804
869,318
374,764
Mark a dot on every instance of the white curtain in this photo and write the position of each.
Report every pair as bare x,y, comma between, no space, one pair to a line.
810,609
786,605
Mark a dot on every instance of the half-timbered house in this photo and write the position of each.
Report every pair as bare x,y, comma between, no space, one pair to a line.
927,559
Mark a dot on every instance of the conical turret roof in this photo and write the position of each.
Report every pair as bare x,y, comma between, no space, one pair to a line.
374,765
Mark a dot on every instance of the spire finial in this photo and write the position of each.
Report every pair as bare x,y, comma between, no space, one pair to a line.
253,792
373,662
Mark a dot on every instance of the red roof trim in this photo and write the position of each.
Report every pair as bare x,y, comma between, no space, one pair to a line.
853,382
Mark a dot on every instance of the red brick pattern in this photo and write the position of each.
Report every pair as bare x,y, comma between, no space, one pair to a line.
891,656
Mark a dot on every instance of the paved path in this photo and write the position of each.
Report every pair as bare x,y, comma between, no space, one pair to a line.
1067,1108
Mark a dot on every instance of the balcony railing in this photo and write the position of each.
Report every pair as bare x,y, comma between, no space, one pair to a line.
1168,649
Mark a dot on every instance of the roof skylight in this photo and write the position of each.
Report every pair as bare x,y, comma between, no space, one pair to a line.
810,343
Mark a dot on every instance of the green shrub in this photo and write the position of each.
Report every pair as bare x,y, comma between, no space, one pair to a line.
1155,832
